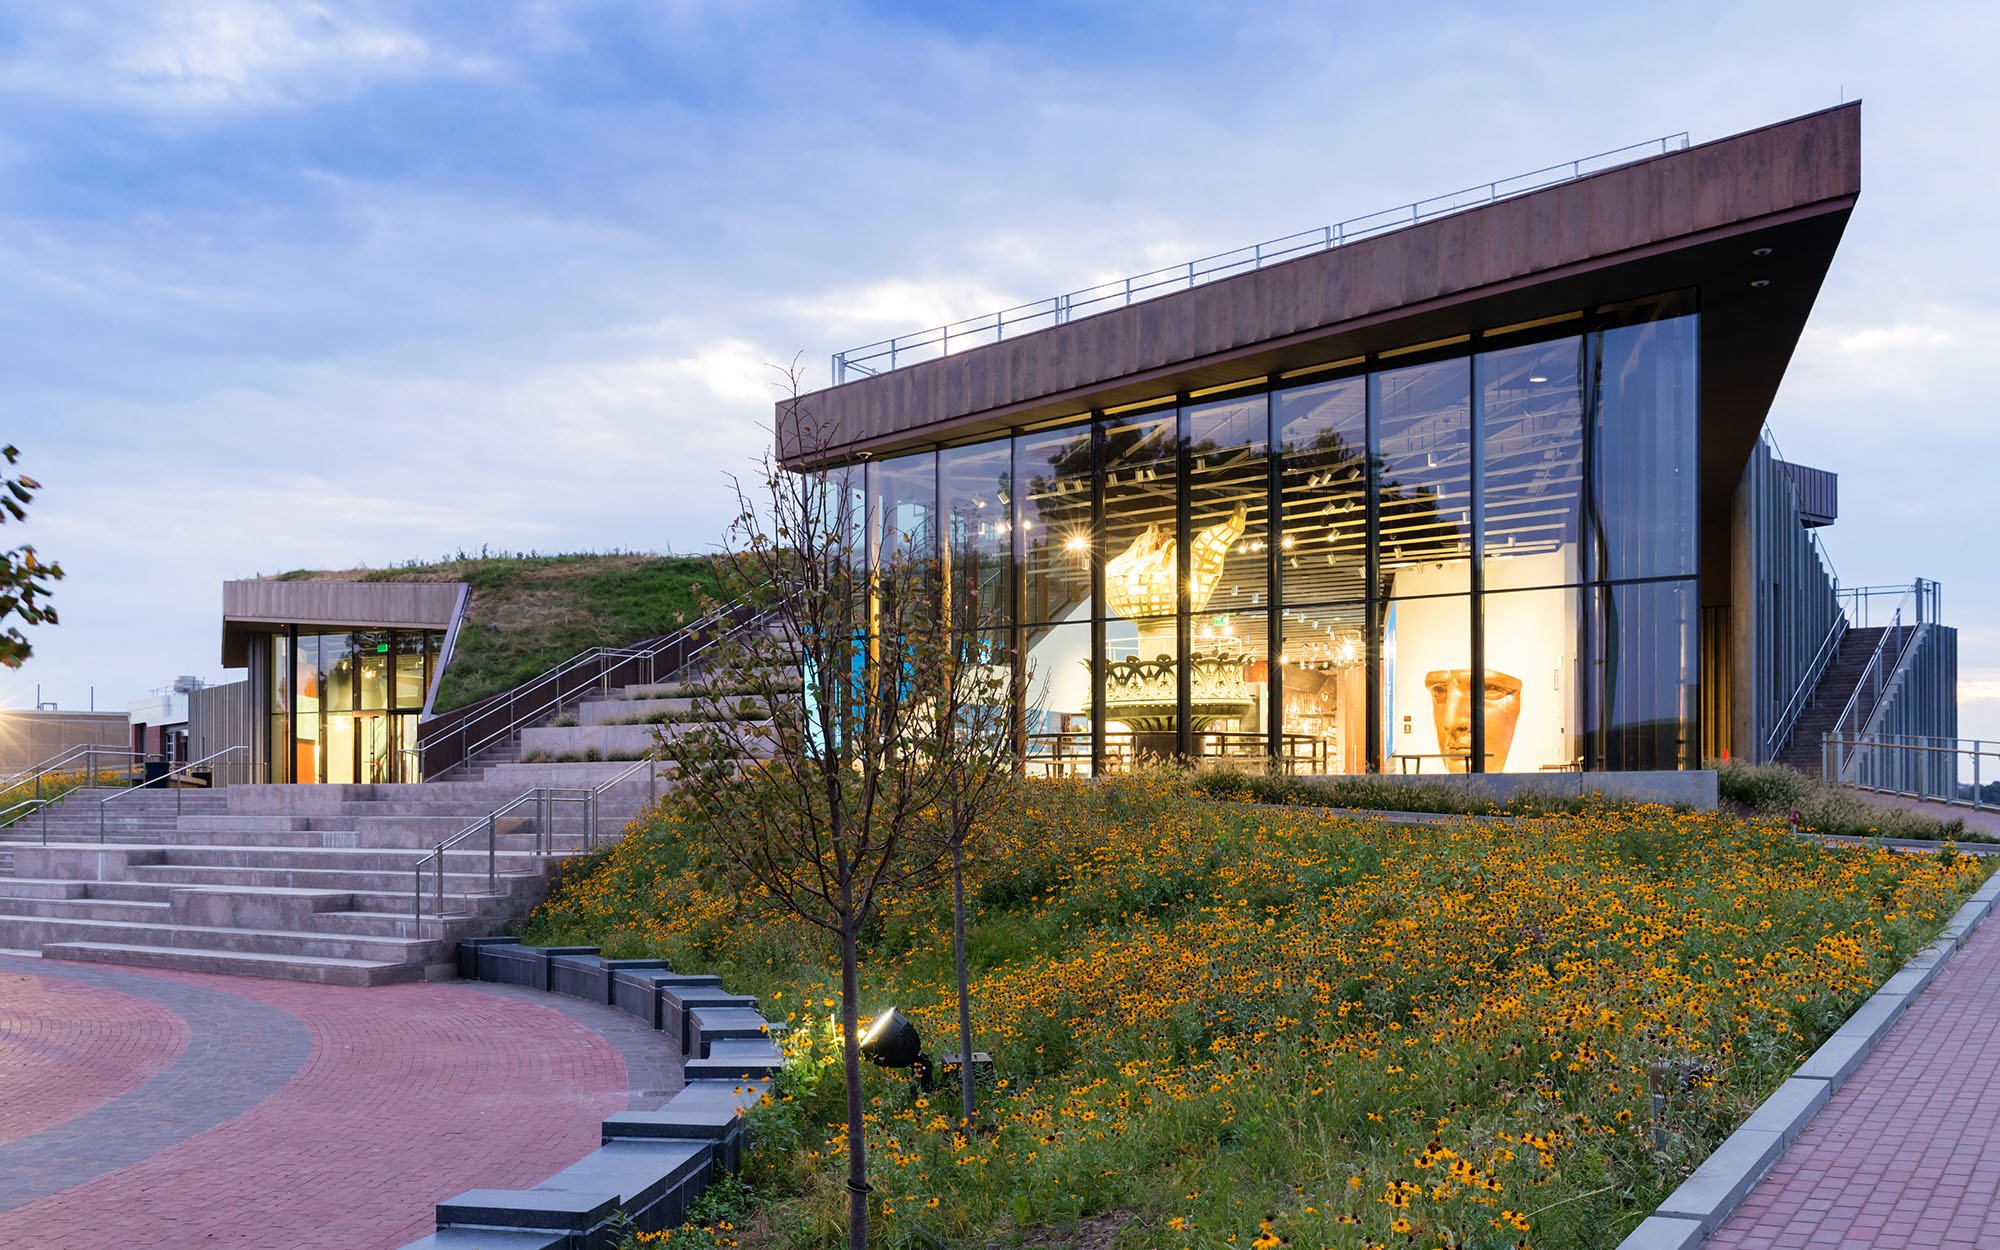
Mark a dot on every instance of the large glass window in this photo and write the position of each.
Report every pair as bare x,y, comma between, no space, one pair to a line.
1481,561
1055,524
1645,476
345,705
1531,410
978,489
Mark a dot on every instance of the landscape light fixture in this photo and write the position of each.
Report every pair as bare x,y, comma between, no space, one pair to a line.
892,1042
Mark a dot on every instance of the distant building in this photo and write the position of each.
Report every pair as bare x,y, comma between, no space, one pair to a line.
28,739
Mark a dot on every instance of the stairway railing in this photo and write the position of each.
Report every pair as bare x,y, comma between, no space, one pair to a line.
1895,643
545,800
104,804
453,737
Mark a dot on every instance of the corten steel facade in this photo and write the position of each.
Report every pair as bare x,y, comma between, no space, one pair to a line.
1456,498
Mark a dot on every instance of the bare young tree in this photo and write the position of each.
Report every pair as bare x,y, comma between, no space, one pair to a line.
826,723
976,754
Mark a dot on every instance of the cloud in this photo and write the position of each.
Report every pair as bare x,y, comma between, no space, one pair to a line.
190,57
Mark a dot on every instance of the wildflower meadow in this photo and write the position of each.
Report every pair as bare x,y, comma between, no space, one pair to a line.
1225,1025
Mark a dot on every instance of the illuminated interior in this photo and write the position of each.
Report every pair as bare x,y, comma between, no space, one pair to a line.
1478,556
344,705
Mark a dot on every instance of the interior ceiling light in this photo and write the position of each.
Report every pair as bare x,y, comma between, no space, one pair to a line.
1760,251
1760,283
1537,378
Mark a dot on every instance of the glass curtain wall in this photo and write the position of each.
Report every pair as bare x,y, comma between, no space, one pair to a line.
1480,558
344,705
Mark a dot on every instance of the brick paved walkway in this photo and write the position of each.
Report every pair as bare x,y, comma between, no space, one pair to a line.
173,1110
1907,1153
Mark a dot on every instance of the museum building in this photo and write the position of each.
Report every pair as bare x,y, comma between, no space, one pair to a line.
1458,489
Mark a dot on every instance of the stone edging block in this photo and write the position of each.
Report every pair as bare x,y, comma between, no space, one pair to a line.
1705,1199
652,1164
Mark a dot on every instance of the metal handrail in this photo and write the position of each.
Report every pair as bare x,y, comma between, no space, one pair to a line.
605,658
545,798
1059,309
1876,674
88,752
8,820
169,775
1843,754
1788,718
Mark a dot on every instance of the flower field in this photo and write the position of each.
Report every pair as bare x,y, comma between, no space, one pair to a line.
1225,1025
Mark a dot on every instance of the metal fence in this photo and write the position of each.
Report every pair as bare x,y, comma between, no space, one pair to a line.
922,345
1938,770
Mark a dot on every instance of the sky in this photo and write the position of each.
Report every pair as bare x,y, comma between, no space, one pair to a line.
299,285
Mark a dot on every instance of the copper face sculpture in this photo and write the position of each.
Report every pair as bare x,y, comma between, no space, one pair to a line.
1451,707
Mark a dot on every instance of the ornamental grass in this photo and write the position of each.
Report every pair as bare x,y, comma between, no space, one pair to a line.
1234,1026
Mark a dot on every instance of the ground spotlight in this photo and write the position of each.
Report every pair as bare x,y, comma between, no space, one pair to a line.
893,1042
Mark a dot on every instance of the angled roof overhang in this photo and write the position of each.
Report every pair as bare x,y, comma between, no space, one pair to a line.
1695,219
253,607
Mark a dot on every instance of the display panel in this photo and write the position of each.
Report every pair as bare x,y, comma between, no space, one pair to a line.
1533,703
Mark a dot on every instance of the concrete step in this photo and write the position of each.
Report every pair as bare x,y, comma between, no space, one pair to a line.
85,908
32,932
323,970
388,884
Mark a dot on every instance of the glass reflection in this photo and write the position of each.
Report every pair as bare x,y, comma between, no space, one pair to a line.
1055,524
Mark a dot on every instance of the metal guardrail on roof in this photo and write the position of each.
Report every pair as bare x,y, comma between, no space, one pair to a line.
910,349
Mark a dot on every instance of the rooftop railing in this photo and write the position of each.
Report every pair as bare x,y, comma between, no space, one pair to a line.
910,349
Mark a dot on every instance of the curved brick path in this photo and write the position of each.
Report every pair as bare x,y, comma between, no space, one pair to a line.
177,1110
66,1049
1907,1153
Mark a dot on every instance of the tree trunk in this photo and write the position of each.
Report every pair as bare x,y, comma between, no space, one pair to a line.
965,1072
857,1148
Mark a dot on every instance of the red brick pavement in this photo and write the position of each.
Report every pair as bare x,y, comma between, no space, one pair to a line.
411,1093
67,1048
1907,1153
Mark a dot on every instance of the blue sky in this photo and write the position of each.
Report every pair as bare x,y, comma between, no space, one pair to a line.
324,285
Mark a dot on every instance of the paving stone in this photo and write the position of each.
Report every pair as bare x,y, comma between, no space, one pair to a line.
1906,1153
272,1105
1658,1232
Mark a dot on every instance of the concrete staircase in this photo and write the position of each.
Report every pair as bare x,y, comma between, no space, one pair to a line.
308,883
317,883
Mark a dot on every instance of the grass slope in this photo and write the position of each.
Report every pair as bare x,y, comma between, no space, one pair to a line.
531,612
1242,1026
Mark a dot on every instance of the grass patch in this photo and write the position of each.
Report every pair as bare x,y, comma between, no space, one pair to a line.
1374,794
1224,1022
1775,791
529,613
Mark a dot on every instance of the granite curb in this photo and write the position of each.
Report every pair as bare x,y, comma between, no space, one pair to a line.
1705,1199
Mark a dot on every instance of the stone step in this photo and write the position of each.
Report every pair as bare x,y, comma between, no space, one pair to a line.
85,908
323,970
389,884
31,932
